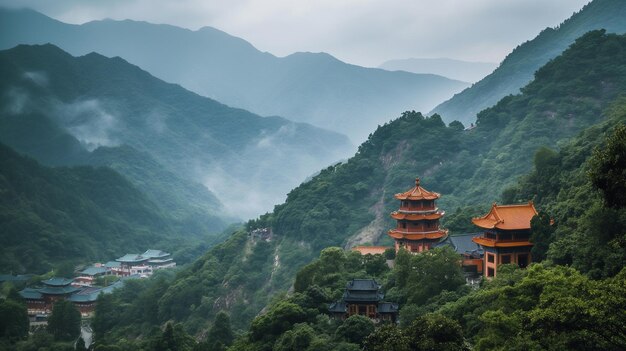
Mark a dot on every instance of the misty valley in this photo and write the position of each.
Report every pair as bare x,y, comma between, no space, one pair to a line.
163,188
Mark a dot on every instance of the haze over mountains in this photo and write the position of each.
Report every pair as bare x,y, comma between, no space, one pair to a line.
57,108
308,87
518,67
465,71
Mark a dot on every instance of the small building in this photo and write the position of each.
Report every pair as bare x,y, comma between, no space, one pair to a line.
158,259
506,236
364,297
417,227
129,261
88,276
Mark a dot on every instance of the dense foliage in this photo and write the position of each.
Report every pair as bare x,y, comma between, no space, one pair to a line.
56,215
468,167
518,67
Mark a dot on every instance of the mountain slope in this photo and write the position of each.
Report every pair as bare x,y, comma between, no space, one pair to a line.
518,67
469,168
305,87
53,215
108,102
465,71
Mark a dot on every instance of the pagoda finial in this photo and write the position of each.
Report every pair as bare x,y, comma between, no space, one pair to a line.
417,181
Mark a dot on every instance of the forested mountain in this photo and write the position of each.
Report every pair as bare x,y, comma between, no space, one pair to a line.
349,203
518,67
465,71
57,108
307,87
51,216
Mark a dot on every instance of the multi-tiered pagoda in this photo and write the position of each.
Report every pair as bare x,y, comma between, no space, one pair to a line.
417,219
506,236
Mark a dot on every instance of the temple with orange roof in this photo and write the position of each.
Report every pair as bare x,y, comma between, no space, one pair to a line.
506,236
417,227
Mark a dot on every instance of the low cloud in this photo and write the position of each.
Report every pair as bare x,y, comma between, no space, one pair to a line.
88,122
39,78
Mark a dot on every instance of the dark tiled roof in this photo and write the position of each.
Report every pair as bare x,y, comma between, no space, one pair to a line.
338,307
461,243
363,285
57,281
58,290
31,294
155,254
132,258
94,271
387,307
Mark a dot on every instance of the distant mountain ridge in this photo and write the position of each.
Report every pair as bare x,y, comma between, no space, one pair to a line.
518,67
107,102
466,71
51,216
305,87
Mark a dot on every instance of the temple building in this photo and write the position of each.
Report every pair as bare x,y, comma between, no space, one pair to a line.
363,297
417,227
145,264
40,300
506,236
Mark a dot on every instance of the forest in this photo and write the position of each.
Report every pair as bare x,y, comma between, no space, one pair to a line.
561,143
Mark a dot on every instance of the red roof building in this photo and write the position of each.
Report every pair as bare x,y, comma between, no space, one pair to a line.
506,236
417,220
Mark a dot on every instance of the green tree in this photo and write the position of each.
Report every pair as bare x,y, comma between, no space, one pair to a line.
297,339
106,316
387,337
64,322
542,231
13,320
608,168
355,329
220,335
435,332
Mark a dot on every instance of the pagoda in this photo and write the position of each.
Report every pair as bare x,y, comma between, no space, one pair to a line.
417,219
506,236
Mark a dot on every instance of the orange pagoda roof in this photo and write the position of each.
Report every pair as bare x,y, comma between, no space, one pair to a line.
399,234
416,216
417,193
507,217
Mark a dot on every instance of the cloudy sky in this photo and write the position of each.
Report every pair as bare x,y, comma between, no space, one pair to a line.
364,32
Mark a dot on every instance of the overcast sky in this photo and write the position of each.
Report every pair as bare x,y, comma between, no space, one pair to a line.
364,32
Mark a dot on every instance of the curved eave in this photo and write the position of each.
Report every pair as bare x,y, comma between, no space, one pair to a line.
493,243
490,224
396,234
410,196
415,216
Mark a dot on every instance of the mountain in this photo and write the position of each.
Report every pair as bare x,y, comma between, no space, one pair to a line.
518,67
465,71
308,87
53,102
349,203
50,216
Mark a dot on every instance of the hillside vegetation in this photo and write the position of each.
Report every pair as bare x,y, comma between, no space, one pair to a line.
576,92
52,216
518,67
